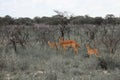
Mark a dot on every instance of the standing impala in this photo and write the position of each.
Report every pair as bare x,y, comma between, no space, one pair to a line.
91,51
69,43
53,44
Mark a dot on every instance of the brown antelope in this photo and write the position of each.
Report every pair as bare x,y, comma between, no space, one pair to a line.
69,43
91,51
53,45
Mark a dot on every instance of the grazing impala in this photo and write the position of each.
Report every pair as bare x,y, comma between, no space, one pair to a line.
69,43
53,45
91,51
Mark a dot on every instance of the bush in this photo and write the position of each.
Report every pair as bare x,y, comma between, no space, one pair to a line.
108,61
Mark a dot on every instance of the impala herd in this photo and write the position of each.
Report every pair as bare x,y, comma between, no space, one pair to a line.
64,44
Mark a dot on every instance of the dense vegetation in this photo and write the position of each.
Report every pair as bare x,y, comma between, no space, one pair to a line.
56,19
25,54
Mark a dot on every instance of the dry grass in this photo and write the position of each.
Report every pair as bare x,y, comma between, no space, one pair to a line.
40,62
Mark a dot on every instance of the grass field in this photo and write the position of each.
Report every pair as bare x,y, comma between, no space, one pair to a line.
40,62
36,63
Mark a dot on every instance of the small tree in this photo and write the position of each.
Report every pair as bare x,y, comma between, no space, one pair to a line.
92,33
15,36
62,22
111,38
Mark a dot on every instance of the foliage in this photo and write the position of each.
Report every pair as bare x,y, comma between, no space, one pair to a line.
61,18
37,61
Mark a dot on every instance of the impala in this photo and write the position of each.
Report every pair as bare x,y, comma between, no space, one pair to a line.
69,43
53,44
91,51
